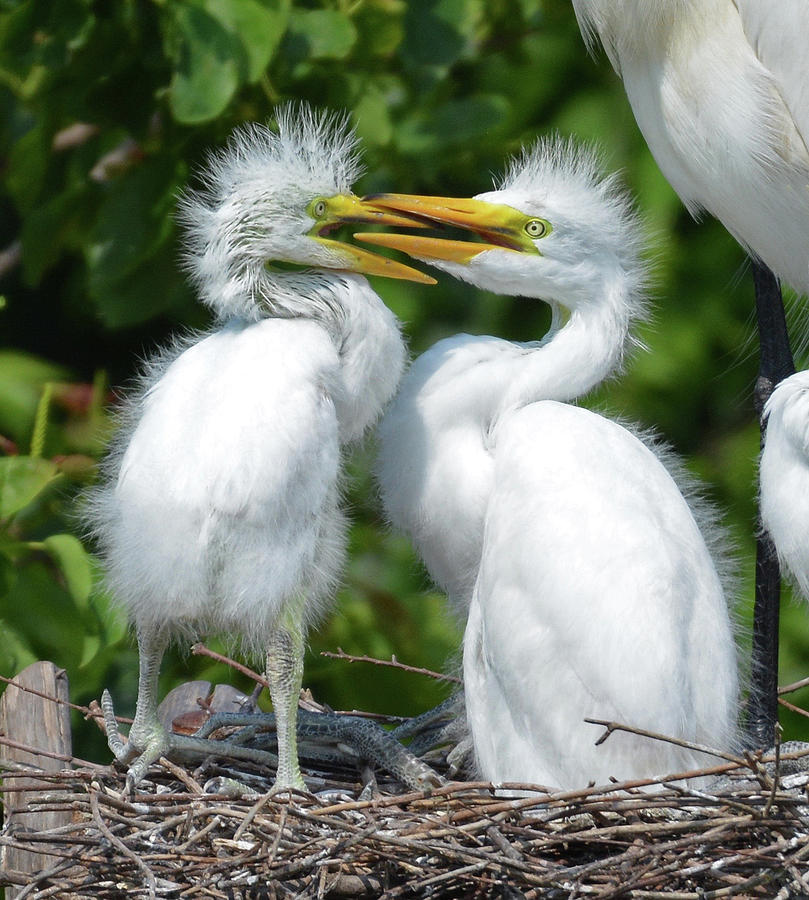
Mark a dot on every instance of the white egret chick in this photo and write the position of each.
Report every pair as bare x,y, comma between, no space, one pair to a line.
784,476
591,590
219,509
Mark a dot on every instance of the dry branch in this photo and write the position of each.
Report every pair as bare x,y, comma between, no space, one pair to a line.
392,663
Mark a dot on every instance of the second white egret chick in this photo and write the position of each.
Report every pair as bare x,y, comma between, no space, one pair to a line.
220,504
784,476
591,590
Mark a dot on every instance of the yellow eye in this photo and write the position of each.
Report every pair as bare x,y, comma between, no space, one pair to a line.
537,228
318,209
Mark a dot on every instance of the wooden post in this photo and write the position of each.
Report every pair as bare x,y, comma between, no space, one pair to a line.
32,722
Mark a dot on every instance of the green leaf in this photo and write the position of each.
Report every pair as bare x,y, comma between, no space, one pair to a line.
439,33
22,378
7,574
258,26
89,649
155,286
28,166
381,30
207,64
22,479
458,122
373,118
320,34
74,563
44,233
49,623
15,653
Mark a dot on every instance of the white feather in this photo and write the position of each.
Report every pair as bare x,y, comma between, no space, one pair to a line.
784,476
720,91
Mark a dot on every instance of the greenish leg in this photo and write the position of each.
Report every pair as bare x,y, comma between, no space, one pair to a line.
285,676
146,728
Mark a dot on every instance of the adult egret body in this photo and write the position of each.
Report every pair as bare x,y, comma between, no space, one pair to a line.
784,476
720,91
590,589
220,509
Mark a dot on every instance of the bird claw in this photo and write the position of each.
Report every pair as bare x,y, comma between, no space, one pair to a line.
139,754
122,750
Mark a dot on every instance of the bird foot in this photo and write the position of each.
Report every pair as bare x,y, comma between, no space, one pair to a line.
355,736
148,742
144,746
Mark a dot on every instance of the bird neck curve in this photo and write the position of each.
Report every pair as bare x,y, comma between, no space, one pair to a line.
584,346
371,349
364,332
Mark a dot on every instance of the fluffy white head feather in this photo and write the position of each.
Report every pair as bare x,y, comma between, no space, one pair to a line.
252,208
592,256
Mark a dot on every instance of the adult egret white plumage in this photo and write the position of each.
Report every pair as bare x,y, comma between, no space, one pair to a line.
784,476
720,91
219,509
590,588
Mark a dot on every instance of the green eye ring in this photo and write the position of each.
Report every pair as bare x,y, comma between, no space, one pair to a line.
318,208
537,228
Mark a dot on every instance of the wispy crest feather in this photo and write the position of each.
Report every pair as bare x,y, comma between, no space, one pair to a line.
256,186
570,177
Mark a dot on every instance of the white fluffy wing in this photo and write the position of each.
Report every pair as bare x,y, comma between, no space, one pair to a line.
778,32
597,598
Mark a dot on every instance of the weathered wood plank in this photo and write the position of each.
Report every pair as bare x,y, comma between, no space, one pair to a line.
37,724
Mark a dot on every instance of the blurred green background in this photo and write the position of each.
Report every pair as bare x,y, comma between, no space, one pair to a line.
106,106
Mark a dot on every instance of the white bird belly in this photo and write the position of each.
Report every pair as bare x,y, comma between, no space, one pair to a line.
596,597
225,506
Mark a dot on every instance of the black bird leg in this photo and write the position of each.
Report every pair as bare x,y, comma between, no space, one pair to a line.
775,364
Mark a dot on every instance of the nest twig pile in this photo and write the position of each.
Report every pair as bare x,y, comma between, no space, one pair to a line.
215,831
172,839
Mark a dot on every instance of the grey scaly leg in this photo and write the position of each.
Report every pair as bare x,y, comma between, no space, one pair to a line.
285,675
148,739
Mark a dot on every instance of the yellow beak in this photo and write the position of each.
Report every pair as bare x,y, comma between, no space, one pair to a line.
501,227
346,209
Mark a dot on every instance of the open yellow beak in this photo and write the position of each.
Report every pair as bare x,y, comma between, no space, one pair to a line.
501,227
346,209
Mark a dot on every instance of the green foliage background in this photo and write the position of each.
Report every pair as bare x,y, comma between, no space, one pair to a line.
106,106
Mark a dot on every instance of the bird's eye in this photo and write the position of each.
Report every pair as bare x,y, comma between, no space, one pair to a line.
537,228
318,209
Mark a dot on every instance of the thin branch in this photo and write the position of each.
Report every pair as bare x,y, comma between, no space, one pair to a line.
120,845
795,686
84,710
201,650
678,742
41,751
392,663
791,706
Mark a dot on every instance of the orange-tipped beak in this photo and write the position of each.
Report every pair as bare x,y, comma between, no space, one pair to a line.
500,226
347,209
420,247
